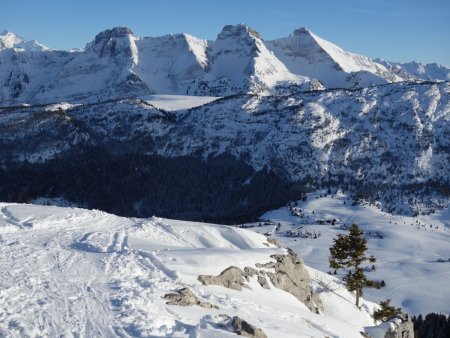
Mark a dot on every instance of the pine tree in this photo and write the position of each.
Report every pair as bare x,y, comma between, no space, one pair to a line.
355,282
348,251
386,312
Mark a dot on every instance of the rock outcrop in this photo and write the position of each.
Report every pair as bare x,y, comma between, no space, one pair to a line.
290,275
243,328
231,278
403,327
287,273
399,327
185,297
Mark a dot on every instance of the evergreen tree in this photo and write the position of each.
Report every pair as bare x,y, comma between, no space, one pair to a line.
348,251
355,282
386,312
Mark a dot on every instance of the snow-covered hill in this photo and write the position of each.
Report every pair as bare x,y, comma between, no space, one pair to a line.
118,64
76,272
409,250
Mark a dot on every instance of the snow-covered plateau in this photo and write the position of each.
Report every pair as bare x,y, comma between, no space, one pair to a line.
73,272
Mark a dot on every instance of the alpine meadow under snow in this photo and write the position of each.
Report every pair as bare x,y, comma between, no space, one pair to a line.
294,139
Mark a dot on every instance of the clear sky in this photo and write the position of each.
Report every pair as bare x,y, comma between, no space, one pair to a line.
396,30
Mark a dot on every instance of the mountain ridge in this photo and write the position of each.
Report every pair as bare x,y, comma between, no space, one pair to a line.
385,144
238,61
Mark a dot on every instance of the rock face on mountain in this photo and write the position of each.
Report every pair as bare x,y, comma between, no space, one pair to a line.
305,53
117,64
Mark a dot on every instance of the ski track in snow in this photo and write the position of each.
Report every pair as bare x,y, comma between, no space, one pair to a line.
79,273
75,280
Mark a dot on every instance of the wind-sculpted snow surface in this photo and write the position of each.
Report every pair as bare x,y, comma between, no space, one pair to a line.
388,144
76,272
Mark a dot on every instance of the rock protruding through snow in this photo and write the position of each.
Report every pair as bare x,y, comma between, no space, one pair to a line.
185,297
399,327
403,328
243,328
232,278
287,273
291,276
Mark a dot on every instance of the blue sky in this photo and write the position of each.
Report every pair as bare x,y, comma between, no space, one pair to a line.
397,30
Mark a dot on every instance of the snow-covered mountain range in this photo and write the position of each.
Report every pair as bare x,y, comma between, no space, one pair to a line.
118,64
388,144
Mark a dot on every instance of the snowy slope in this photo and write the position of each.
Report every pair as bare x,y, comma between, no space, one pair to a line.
102,71
178,103
305,53
9,40
239,61
169,64
25,68
413,253
77,272
417,71
388,142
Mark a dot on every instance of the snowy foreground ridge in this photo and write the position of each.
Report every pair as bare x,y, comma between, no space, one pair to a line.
75,272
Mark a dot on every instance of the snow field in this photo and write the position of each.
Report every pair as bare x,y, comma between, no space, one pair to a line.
75,272
412,255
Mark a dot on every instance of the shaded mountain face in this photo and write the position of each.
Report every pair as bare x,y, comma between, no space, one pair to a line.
388,144
117,64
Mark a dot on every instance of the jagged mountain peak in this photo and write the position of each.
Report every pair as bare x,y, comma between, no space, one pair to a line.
303,52
300,31
110,34
115,32
238,31
238,61
9,39
113,42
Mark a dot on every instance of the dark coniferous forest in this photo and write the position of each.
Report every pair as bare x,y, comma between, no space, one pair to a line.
220,189
432,326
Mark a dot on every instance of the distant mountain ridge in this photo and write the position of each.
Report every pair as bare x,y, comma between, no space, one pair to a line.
388,144
118,64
